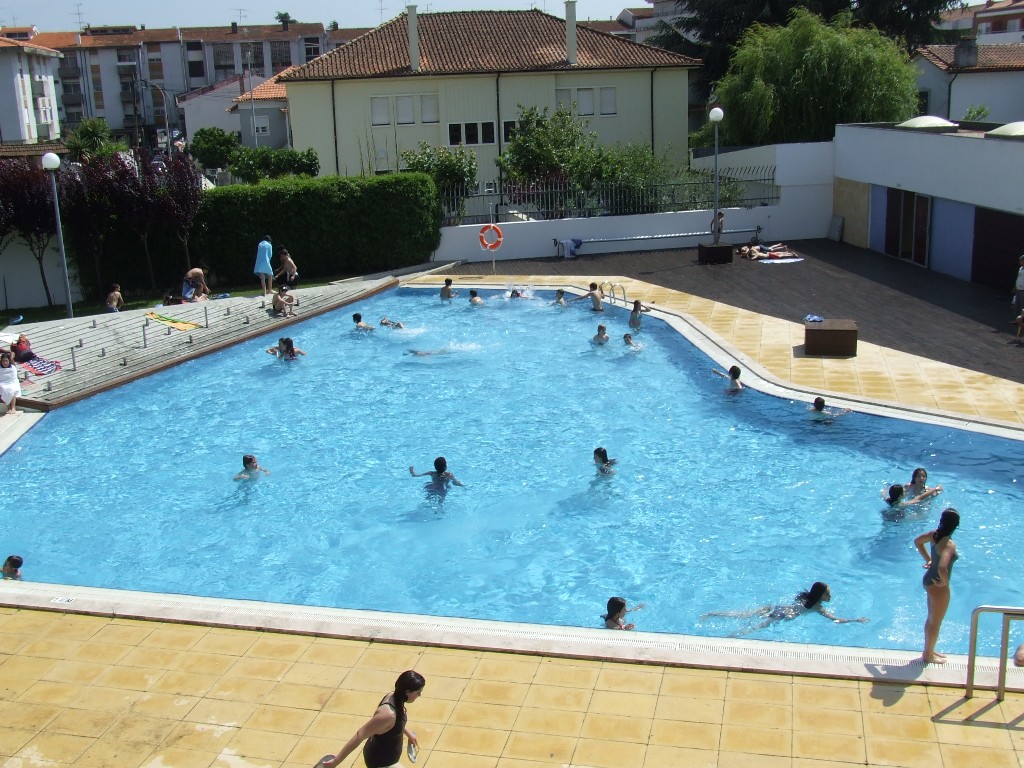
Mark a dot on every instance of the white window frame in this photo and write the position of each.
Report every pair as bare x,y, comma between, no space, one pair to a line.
405,110
261,125
585,102
377,118
430,108
608,102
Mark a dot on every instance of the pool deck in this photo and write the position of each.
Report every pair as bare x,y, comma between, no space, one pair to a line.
240,685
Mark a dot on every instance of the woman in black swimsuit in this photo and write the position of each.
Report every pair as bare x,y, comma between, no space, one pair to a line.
804,602
383,732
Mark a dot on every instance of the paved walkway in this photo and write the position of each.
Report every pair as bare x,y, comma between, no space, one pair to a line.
97,691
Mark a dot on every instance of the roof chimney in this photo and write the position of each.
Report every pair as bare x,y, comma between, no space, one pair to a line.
966,53
284,24
234,27
414,39
570,31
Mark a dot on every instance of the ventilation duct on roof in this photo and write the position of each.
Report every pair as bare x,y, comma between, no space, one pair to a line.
570,31
414,39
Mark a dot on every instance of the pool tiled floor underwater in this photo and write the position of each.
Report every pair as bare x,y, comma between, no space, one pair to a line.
100,692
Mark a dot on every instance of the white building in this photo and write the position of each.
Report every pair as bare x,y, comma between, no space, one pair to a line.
954,78
28,104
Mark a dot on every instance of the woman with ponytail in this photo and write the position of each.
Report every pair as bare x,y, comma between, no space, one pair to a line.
938,564
383,732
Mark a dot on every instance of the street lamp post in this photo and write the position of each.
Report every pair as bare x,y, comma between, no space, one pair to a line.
167,125
715,116
51,163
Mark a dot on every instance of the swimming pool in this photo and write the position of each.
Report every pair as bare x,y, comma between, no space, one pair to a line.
720,502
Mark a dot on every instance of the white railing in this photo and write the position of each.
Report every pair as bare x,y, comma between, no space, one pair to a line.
1009,614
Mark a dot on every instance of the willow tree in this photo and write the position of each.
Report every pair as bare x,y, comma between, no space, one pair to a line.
795,83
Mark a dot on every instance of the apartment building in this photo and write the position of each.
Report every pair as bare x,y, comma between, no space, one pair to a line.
131,76
28,113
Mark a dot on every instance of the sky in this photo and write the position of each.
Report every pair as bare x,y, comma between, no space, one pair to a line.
63,15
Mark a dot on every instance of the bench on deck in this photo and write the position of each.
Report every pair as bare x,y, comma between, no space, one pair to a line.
560,247
836,338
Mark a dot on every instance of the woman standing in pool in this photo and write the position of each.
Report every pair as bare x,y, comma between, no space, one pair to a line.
804,602
636,317
918,485
383,732
939,565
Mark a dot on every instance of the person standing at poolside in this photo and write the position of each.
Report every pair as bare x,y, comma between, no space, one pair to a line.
939,565
637,315
288,274
447,292
262,268
114,299
717,227
383,732
595,295
1018,287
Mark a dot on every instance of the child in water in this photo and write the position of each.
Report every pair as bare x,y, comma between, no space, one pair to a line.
616,616
250,468
440,476
735,385
12,567
601,337
604,464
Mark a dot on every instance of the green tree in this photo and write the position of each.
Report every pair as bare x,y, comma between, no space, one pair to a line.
333,26
795,83
453,172
284,17
91,140
251,164
181,191
976,113
27,189
551,149
213,147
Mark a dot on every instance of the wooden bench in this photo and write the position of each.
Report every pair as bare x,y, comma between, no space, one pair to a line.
831,337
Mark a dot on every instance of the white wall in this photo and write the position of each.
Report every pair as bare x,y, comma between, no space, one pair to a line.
1001,92
936,82
977,171
20,284
210,109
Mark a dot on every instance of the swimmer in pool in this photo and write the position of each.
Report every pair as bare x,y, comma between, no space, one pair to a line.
918,485
360,325
250,468
616,616
627,339
474,299
819,412
440,476
285,349
595,295
560,298
735,385
601,337
447,292
804,602
428,352
898,498
604,464
12,567
385,323
637,315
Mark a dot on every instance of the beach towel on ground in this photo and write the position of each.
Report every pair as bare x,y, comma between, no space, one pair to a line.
179,325
40,366
779,261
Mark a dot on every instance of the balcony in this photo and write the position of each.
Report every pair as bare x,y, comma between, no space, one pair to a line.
69,72
128,97
71,99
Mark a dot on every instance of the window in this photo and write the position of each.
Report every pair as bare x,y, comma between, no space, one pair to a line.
405,110
922,102
508,130
72,86
563,98
73,117
156,68
472,133
261,125
486,133
380,114
429,110
252,58
196,69
125,56
584,101
609,103
1013,25
280,55
312,45
454,133
194,46
223,61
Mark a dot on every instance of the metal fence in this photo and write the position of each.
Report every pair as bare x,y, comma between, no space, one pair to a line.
500,201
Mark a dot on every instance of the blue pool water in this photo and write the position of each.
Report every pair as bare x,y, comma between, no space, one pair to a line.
720,502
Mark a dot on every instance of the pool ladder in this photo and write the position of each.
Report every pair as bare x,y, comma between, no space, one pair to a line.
610,293
1009,614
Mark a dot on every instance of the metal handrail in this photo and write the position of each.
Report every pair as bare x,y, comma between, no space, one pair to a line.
611,291
1010,613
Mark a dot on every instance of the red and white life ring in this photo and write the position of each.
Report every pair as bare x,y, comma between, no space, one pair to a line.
490,245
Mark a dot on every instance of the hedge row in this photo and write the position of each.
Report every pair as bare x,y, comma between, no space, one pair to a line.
331,226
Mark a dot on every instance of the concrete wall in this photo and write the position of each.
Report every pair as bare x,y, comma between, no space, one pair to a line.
20,284
852,201
277,122
981,172
1001,92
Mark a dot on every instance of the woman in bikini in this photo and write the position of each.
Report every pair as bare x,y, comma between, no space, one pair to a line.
938,564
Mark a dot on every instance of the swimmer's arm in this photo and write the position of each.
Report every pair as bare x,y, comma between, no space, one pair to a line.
429,472
299,351
272,351
264,470
241,476
919,542
831,617
636,607
455,480
719,373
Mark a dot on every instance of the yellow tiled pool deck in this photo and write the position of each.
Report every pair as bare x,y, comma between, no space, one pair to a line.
110,692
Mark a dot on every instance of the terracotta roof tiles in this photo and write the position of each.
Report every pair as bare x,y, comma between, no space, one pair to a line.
29,46
268,90
32,150
252,32
466,42
991,58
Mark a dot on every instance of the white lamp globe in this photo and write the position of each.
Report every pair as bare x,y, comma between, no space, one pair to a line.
716,115
51,162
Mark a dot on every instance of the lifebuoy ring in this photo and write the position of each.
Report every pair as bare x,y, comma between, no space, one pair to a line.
490,245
